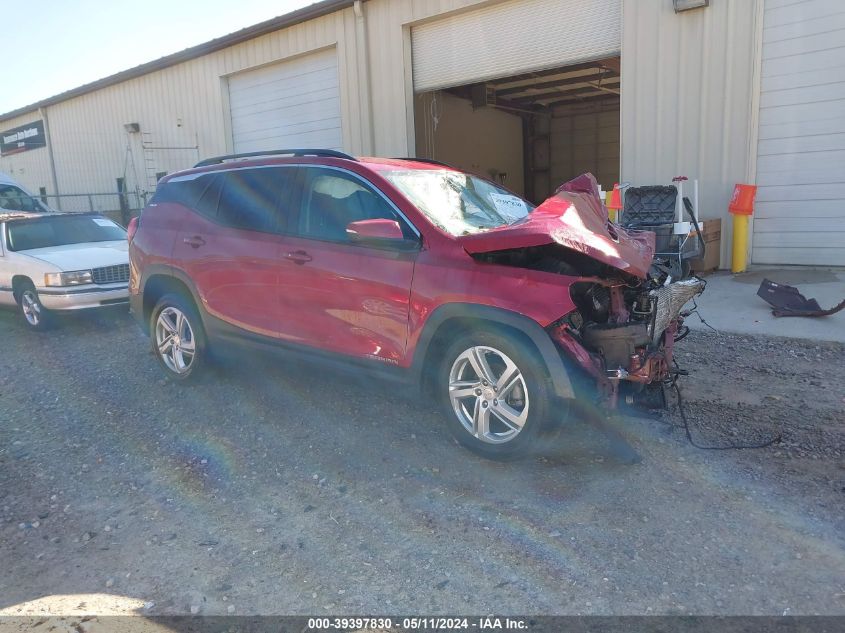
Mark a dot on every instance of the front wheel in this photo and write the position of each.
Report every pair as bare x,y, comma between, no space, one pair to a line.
496,395
178,337
34,314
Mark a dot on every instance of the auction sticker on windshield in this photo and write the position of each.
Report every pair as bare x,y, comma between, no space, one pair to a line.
511,207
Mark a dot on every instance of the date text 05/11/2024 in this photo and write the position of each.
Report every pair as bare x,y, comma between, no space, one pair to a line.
483,623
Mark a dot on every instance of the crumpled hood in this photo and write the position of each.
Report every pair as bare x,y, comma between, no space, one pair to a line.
82,256
576,219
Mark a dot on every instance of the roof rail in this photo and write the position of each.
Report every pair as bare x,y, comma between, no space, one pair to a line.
430,161
329,153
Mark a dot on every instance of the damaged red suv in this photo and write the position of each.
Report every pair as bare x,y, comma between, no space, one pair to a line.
407,268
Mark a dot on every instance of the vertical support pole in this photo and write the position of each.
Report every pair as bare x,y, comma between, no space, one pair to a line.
739,259
365,98
43,113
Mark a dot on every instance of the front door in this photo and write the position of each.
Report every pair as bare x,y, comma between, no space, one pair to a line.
337,295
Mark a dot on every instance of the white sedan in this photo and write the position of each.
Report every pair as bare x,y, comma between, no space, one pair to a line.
61,261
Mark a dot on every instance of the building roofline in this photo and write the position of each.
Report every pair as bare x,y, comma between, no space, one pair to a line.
312,11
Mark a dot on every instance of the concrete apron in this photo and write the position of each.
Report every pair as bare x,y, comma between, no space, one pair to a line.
730,303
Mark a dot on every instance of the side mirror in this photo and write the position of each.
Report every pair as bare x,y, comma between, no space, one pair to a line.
380,232
378,229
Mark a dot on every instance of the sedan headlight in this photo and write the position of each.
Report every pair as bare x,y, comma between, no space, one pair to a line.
72,278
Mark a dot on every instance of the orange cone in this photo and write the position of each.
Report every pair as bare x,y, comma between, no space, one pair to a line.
614,203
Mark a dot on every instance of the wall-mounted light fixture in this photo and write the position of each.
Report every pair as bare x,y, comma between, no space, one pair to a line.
686,5
132,128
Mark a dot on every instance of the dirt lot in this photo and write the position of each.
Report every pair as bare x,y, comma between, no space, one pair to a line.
271,489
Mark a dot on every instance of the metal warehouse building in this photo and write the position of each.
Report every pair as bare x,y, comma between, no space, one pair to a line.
526,92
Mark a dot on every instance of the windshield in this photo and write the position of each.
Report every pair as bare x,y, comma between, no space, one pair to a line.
15,199
60,230
459,203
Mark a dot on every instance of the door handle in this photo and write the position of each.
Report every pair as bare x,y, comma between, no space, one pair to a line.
196,241
298,257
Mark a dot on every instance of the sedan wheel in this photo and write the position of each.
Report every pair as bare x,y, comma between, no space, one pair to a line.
175,341
35,315
31,308
489,394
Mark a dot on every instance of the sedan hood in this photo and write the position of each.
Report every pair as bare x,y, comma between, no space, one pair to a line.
82,256
576,219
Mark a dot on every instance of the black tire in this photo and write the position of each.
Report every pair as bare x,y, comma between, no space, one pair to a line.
174,304
35,316
539,395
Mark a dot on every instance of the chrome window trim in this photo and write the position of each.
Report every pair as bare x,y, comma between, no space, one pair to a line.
211,172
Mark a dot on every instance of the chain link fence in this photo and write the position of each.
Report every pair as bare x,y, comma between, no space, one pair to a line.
120,207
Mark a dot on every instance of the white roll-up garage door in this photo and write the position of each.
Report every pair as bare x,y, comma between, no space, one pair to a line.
799,216
291,104
513,37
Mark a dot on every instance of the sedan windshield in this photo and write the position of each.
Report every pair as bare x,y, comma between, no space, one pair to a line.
61,230
459,203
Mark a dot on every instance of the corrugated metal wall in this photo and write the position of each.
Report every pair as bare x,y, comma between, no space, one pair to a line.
800,207
585,141
689,97
497,138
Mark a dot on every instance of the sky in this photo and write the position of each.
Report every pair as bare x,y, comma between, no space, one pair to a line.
49,46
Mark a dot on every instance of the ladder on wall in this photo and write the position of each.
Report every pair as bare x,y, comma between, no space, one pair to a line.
150,168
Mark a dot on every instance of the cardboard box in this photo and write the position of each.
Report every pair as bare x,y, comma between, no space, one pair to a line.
712,234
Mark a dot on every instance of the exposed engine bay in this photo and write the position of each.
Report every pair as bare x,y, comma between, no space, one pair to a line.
628,312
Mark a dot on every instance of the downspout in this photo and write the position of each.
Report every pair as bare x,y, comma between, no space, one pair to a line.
42,112
365,98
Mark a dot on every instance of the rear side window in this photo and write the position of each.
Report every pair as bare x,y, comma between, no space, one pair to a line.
189,193
250,199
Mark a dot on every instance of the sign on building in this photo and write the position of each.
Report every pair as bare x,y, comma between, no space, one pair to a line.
23,138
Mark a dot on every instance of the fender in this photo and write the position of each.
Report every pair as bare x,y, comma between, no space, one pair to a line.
136,301
538,336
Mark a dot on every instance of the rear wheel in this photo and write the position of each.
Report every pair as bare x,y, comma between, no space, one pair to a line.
34,314
496,394
178,338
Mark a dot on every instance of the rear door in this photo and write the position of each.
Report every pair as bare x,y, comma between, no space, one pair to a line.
338,295
230,248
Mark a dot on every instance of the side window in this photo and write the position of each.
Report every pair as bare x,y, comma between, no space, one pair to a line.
252,199
207,192
200,193
333,199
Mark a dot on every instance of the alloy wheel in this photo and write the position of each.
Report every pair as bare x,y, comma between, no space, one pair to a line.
31,307
488,394
175,340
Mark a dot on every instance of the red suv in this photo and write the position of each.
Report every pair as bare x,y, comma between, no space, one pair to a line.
408,268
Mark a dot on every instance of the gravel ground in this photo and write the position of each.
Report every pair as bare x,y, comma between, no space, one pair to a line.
286,490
